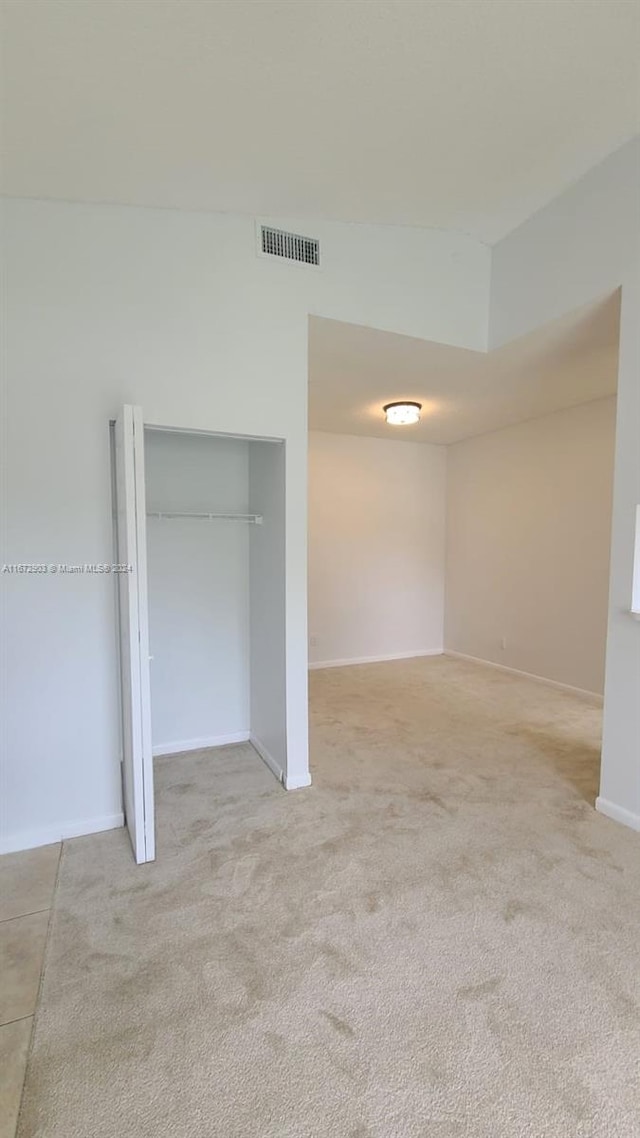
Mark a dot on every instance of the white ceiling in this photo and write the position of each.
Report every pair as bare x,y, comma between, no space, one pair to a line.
353,371
465,115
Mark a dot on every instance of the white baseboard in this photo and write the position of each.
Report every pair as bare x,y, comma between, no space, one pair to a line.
295,782
525,675
200,744
375,659
618,813
31,839
267,758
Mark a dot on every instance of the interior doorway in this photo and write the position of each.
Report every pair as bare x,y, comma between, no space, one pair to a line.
478,528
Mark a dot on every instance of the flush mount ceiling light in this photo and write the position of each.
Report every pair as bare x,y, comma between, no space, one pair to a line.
402,413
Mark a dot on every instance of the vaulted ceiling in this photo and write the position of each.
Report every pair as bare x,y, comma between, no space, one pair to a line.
465,115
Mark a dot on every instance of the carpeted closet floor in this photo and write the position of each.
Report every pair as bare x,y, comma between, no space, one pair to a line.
440,938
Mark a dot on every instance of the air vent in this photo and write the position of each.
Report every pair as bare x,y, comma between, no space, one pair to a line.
290,246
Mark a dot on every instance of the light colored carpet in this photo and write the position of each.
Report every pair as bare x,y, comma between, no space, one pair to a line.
439,939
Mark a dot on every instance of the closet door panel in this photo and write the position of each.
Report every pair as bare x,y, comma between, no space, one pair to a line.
137,758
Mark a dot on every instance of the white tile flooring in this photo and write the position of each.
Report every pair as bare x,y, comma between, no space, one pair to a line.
27,884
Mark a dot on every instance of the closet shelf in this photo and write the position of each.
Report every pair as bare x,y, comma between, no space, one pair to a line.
251,519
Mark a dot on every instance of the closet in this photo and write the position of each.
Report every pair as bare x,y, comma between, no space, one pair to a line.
201,520
215,572
198,541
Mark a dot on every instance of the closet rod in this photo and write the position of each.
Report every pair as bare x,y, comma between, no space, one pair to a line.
251,519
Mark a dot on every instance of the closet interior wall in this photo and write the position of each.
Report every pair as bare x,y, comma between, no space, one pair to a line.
198,583
216,586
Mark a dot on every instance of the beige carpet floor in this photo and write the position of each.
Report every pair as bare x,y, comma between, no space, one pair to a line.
440,938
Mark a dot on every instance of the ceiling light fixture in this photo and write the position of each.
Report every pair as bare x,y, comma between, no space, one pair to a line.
402,413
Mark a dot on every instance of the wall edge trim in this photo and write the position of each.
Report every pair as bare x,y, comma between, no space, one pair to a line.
351,660
297,781
525,675
618,813
200,744
267,757
48,836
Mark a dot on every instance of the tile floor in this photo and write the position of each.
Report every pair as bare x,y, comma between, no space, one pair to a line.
27,883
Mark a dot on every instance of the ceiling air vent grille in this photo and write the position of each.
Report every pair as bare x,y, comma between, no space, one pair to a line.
291,246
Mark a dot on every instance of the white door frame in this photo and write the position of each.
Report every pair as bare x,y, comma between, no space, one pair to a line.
137,754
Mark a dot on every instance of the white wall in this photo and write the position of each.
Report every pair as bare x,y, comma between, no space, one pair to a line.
198,576
376,548
528,541
584,245
173,311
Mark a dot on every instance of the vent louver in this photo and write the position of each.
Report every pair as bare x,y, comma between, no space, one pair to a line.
291,246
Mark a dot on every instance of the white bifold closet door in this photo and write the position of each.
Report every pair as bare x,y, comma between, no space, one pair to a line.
137,760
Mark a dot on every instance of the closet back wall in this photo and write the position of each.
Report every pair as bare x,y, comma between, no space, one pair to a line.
198,573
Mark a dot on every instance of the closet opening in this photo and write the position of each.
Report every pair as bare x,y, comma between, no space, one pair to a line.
201,521
215,571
